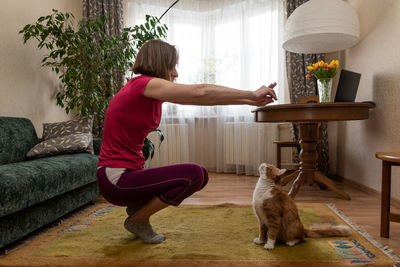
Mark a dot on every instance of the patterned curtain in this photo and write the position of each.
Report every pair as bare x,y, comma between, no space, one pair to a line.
112,10
299,86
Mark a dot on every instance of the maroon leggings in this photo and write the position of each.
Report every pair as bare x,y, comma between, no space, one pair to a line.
171,184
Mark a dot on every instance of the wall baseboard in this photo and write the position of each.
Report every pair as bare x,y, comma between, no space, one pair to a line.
393,201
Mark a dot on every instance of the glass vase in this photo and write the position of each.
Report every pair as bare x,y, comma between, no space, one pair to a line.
324,89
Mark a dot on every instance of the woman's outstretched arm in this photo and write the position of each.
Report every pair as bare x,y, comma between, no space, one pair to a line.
207,94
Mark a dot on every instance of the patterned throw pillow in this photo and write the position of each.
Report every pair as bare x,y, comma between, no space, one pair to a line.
74,126
73,143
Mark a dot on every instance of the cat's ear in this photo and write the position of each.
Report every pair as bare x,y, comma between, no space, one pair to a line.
281,172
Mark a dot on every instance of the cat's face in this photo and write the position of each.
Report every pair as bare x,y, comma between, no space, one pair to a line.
270,172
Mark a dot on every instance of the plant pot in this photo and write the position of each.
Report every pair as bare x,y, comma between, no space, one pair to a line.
324,89
97,145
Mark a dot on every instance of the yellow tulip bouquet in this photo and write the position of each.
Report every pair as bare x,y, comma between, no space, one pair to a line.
324,73
323,70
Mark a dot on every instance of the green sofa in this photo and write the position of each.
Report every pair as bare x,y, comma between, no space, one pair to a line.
36,192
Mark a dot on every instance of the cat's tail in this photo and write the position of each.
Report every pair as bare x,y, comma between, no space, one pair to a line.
328,231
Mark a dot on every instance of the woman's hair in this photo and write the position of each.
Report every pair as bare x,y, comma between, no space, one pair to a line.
156,58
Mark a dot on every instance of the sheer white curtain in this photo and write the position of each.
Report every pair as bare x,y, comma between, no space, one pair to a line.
233,43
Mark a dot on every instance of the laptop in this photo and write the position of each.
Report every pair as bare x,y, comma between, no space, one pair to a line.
347,86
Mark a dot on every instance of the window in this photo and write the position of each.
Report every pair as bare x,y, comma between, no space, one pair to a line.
232,43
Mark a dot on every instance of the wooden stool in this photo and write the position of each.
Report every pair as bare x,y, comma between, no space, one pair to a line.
279,145
388,159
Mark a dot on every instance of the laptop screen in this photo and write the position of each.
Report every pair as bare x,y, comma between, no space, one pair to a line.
347,86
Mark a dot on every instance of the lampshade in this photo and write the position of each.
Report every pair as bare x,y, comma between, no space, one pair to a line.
321,26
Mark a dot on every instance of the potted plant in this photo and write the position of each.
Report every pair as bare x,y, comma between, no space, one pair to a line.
91,64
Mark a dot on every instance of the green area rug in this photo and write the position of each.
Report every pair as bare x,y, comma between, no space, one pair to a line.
196,236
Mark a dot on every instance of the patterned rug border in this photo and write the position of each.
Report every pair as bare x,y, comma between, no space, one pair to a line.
385,249
92,207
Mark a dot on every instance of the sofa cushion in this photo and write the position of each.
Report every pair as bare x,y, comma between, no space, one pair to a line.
69,144
74,126
17,137
24,184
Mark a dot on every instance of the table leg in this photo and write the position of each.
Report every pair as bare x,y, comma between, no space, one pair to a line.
288,178
321,178
308,156
297,183
308,153
308,163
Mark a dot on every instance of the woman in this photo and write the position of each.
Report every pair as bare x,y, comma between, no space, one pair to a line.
135,111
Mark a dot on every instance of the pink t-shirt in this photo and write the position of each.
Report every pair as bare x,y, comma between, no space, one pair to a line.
129,119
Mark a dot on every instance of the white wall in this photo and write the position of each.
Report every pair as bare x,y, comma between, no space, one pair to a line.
377,57
27,89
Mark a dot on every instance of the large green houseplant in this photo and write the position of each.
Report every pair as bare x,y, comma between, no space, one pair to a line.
90,63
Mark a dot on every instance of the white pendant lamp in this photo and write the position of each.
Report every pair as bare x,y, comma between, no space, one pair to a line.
321,26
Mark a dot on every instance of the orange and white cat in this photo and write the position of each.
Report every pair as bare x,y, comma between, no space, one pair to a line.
278,216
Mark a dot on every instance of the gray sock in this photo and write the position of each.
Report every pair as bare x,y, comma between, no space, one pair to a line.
144,231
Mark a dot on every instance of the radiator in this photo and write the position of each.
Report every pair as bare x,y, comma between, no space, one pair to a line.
233,142
246,142
240,143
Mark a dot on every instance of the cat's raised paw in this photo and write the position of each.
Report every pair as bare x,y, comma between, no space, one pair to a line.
258,241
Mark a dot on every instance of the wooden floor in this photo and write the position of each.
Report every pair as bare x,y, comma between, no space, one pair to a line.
363,208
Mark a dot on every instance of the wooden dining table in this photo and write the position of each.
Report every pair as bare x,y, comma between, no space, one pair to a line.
308,116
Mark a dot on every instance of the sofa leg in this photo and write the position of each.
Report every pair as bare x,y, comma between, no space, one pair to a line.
91,202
